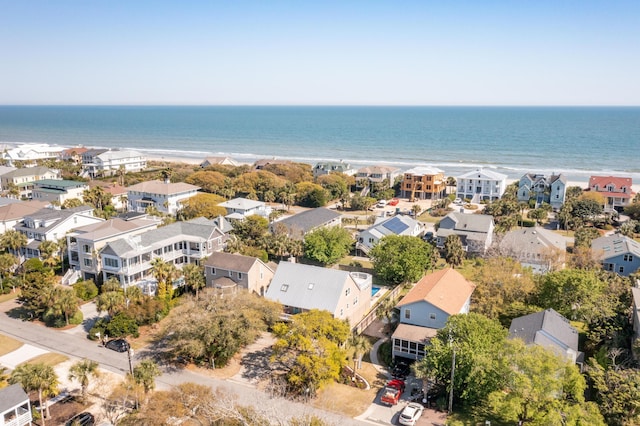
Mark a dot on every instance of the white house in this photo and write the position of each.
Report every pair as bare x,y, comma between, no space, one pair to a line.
239,208
15,407
58,190
480,185
108,163
23,178
165,196
397,225
29,153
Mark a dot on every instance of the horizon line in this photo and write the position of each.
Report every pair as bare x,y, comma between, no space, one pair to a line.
329,105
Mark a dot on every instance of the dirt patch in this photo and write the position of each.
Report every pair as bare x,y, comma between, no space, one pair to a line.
62,410
50,358
147,334
344,399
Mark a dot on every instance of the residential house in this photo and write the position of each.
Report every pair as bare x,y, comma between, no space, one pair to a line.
15,406
328,167
426,308
12,213
117,192
550,330
475,231
422,183
84,243
24,178
130,258
617,253
88,156
73,155
299,225
301,288
396,225
29,153
110,162
239,208
164,196
224,271
542,189
480,185
221,161
52,225
366,176
262,163
58,190
535,248
4,170
617,191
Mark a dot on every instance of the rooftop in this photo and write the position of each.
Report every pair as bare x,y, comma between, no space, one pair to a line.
445,289
163,188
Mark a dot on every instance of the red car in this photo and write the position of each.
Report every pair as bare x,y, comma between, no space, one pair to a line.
392,392
393,202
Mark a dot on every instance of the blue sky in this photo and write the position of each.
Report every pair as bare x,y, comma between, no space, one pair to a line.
320,53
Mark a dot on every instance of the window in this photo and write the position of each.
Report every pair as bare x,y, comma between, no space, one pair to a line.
621,269
239,275
432,316
628,258
355,301
113,263
88,262
347,291
230,273
86,248
285,287
407,314
341,312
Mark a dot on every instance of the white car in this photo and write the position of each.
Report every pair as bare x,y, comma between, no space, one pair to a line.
457,201
382,203
411,414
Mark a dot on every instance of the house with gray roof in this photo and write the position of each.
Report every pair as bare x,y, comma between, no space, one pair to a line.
129,259
227,272
301,288
396,225
535,248
13,212
24,178
299,225
58,190
542,189
84,244
15,407
481,184
239,208
109,162
617,253
221,161
328,167
475,231
164,196
50,224
548,329
377,174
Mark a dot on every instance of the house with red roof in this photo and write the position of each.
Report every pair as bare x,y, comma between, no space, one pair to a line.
617,191
426,309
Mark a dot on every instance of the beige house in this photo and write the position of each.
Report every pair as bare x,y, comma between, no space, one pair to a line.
226,272
25,177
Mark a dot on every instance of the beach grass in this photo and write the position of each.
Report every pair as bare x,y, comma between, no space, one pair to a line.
50,358
8,344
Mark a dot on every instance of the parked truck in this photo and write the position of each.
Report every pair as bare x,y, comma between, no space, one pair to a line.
392,392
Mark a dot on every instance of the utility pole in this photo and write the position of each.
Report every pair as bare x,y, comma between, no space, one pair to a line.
453,372
130,354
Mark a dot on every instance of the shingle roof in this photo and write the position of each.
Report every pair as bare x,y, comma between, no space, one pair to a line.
117,154
242,204
378,169
112,227
59,183
231,262
471,222
159,187
20,210
528,240
603,181
292,281
614,245
556,330
310,219
28,171
12,396
396,225
484,174
446,289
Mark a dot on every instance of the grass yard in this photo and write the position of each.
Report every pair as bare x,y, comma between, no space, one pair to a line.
9,296
8,344
426,217
50,358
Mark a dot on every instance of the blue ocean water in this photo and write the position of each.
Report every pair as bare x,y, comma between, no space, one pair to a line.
577,141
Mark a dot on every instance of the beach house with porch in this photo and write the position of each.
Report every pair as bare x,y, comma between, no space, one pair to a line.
617,191
163,195
15,406
542,189
481,184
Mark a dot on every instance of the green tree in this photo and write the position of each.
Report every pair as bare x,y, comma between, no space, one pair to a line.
479,367
194,277
97,197
335,184
110,302
164,273
202,205
309,349
8,263
358,345
208,180
83,371
251,230
387,310
328,245
618,393
37,377
145,374
72,203
453,251
584,236
401,258
541,388
633,210
64,303
48,251
37,289
13,241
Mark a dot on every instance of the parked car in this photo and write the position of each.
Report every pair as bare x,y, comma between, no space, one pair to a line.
457,201
118,345
82,419
401,370
382,203
392,392
410,414
394,202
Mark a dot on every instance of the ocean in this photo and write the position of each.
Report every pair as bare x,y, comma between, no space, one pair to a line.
576,141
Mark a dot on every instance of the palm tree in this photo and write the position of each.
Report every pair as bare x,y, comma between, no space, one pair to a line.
7,264
164,273
62,301
82,371
37,377
193,277
451,182
48,250
145,374
111,302
454,252
359,346
13,241
387,310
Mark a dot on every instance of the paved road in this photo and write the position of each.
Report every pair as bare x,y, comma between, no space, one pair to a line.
76,345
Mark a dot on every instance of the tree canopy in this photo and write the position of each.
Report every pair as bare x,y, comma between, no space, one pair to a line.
327,245
401,258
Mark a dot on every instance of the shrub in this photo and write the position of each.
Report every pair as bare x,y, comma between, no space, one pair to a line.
122,325
528,223
148,311
85,290
77,318
99,327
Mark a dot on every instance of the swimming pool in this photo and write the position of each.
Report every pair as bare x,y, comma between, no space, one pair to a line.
374,290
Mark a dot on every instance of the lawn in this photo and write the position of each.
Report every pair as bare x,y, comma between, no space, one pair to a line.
50,358
8,344
426,217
